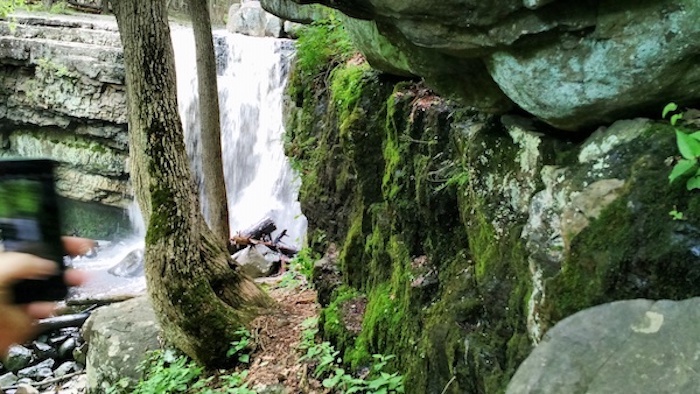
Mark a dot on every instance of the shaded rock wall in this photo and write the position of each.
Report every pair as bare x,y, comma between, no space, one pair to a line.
468,235
62,96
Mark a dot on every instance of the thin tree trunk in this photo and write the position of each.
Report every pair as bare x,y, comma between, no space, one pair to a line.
198,294
215,204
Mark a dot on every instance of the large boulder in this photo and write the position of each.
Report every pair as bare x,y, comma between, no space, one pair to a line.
574,65
256,261
119,337
630,61
636,346
251,19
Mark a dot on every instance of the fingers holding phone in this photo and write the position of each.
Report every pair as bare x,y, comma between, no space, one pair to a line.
17,319
32,270
16,322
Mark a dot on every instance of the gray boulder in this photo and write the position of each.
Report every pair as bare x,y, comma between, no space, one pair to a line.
633,60
254,261
119,337
8,379
251,19
637,346
38,372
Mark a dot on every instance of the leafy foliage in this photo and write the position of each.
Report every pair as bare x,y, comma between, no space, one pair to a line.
239,347
689,148
168,372
7,6
327,364
676,215
304,262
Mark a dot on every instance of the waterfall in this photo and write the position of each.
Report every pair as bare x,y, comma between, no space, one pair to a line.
259,179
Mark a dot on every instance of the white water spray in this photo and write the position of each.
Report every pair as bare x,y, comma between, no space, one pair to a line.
259,180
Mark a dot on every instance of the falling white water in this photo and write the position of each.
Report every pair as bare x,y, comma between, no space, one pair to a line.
259,180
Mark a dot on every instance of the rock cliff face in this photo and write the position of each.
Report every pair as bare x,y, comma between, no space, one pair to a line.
62,96
575,65
470,235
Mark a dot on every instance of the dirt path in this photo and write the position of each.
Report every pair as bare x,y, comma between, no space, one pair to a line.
277,336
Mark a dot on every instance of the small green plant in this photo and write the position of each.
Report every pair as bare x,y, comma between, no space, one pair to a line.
676,215
60,7
289,280
233,383
238,348
449,174
689,148
327,362
119,387
167,372
47,70
304,262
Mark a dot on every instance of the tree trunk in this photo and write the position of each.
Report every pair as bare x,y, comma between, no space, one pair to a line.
199,296
215,205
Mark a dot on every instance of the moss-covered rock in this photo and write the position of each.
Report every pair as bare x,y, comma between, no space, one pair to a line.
469,235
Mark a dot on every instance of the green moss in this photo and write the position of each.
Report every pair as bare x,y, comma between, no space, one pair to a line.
331,321
321,43
160,223
353,248
347,82
648,255
385,180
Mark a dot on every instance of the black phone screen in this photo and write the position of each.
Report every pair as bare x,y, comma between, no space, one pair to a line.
30,223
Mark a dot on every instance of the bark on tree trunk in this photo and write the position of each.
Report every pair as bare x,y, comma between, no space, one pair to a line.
199,298
212,165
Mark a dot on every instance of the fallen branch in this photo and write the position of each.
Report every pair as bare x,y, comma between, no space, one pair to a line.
260,231
285,250
57,322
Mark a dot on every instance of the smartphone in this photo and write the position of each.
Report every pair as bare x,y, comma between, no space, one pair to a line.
30,223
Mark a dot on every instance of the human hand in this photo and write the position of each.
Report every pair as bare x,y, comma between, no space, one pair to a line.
16,320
